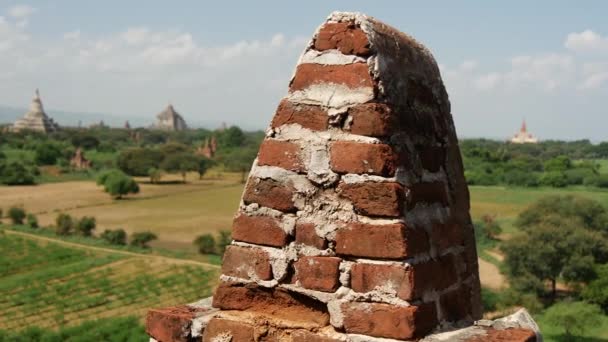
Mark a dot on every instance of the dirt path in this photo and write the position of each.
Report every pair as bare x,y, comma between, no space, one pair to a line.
490,276
115,251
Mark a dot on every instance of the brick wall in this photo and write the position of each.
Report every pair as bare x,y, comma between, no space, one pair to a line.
355,216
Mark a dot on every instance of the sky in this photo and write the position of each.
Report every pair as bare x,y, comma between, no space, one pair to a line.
231,61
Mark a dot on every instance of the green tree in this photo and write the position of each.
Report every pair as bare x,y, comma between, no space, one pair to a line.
115,236
180,163
224,239
231,137
558,164
47,154
556,179
573,317
85,141
597,290
155,175
205,244
239,160
203,165
32,220
138,161
64,224
15,173
141,239
117,184
86,225
16,214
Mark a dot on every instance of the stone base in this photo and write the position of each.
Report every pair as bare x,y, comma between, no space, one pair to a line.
202,323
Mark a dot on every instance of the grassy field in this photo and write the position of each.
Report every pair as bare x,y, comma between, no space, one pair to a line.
552,333
51,284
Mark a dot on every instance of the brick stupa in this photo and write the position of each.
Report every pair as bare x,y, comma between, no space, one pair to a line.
354,224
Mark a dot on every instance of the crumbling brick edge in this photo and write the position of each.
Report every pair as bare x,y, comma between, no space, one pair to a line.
187,323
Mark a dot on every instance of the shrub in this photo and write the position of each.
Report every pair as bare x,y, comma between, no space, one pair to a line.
64,225
32,221
15,173
86,225
47,154
117,184
223,241
115,237
573,317
555,179
141,239
205,244
16,215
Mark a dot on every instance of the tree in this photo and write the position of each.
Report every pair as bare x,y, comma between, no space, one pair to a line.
138,161
64,225
239,160
223,241
205,244
155,175
203,165
597,290
231,137
32,220
555,179
141,239
47,154
86,225
85,141
15,173
180,163
556,244
16,215
115,237
117,184
491,228
573,317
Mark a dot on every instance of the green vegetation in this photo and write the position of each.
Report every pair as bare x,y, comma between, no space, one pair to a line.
208,244
117,184
46,284
141,239
16,215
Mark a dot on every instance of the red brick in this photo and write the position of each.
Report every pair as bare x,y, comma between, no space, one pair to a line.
367,277
389,321
307,235
261,230
354,75
345,37
171,324
507,335
270,193
243,262
318,273
361,158
308,336
283,154
238,330
428,193
374,199
274,302
371,119
432,158
437,274
390,241
308,116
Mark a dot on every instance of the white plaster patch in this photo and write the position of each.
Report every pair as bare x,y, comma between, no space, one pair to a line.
332,95
329,57
319,171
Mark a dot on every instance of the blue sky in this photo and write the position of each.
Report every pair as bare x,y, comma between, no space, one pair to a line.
230,61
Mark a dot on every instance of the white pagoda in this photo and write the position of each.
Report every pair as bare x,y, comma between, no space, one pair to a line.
523,136
35,119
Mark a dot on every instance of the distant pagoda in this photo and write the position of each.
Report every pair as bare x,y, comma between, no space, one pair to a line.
35,119
170,120
523,136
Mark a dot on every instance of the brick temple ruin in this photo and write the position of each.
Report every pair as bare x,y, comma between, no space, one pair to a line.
354,224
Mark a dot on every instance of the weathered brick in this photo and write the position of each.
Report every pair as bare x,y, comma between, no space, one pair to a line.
345,37
432,157
374,199
283,154
308,336
171,324
318,273
218,327
308,116
243,262
355,157
439,273
370,119
394,278
270,193
427,193
354,75
446,235
307,235
391,241
261,230
456,304
389,321
276,302
507,335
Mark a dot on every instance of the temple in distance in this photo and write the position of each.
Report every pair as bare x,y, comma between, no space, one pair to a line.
35,119
170,120
523,136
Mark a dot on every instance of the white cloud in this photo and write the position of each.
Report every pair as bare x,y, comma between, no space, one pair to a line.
488,81
21,11
586,41
72,35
